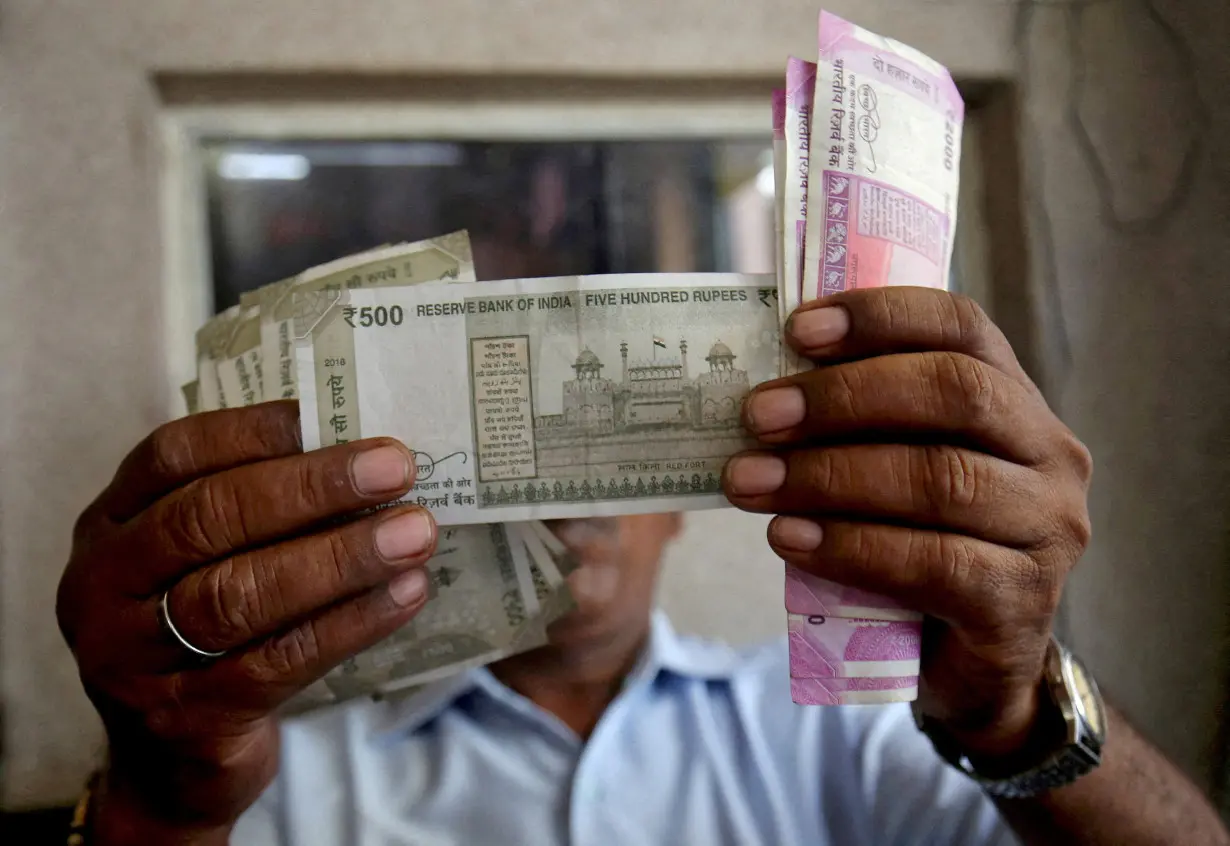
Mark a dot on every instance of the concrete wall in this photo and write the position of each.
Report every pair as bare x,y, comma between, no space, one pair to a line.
1127,215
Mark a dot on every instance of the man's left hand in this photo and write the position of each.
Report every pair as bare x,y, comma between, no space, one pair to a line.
918,461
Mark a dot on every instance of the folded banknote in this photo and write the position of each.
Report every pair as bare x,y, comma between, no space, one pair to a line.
446,258
245,354
796,134
550,568
491,597
482,606
212,340
779,210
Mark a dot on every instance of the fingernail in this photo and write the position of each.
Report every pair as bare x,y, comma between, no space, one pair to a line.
776,409
819,327
752,475
404,536
796,534
409,588
381,470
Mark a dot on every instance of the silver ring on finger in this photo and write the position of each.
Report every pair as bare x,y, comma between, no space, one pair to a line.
164,615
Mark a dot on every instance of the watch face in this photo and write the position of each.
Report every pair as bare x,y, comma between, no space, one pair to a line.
1085,695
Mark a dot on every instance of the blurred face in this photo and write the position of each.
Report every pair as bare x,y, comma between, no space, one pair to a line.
614,586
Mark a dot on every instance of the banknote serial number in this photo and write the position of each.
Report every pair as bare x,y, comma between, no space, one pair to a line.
373,316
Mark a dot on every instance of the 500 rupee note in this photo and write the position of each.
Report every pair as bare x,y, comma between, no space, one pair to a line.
543,398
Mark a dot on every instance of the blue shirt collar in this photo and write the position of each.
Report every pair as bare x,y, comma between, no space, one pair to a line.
667,652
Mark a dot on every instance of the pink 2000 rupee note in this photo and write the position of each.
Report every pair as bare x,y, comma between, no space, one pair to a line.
882,192
884,157
839,647
854,691
800,92
808,594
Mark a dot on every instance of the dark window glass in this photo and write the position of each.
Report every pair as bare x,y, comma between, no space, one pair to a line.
532,208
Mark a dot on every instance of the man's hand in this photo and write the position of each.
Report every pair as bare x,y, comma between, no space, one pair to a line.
226,515
918,461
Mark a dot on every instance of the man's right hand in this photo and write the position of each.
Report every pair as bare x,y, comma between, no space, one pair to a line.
225,514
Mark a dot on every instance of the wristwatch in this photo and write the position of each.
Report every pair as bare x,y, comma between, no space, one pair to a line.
1074,694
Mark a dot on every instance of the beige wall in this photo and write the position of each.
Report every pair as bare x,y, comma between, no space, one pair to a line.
1146,309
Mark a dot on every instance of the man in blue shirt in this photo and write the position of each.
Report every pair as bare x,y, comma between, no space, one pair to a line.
917,460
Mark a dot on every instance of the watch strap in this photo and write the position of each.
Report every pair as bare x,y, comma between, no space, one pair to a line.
1059,769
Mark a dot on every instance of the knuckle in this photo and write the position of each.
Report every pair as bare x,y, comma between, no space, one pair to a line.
201,520
911,312
890,308
1078,456
166,722
966,319
950,478
858,545
1076,526
233,604
966,388
318,484
1039,584
823,471
283,658
871,546
275,427
346,553
957,568
170,449
1083,529
840,388
163,709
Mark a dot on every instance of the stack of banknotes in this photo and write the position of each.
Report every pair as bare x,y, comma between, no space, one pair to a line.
497,585
536,399
867,142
